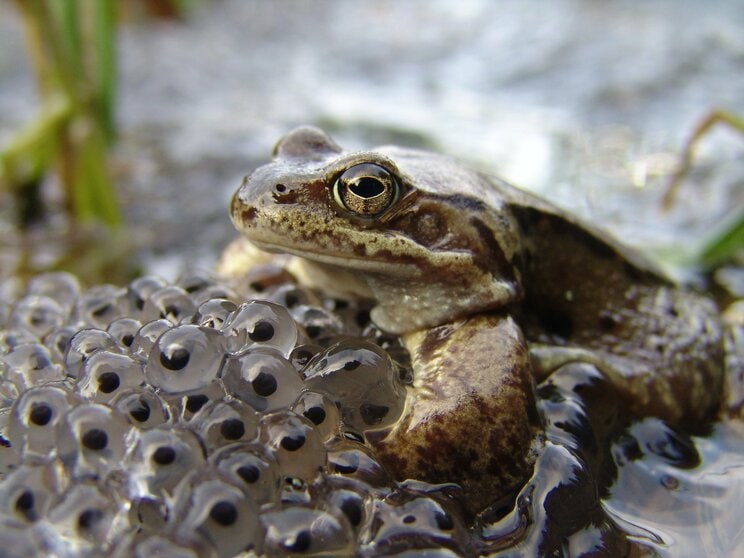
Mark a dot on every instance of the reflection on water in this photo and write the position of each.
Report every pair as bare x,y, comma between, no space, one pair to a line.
692,511
609,486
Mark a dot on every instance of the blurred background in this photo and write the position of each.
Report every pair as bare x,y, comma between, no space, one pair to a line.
126,126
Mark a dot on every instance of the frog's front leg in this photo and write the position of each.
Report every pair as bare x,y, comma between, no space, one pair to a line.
470,416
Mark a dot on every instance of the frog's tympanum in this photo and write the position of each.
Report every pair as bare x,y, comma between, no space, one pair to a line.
490,289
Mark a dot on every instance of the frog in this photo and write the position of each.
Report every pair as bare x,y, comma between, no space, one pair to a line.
491,290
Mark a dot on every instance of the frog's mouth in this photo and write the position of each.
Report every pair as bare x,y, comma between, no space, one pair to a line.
368,264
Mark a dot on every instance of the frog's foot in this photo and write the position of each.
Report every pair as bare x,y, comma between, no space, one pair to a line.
714,117
546,359
471,416
680,399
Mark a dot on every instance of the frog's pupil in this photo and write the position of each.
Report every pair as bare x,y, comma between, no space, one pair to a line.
367,187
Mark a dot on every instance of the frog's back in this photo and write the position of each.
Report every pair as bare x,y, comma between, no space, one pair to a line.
661,343
577,287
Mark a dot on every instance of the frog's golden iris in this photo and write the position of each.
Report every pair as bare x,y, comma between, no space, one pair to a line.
366,190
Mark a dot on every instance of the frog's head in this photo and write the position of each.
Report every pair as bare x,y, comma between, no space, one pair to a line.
414,230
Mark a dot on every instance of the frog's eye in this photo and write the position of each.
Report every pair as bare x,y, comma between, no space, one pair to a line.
366,189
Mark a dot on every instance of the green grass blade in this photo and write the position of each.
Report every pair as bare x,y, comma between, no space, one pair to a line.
61,25
726,244
104,48
93,195
30,152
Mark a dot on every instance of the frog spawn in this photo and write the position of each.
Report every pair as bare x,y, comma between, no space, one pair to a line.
177,418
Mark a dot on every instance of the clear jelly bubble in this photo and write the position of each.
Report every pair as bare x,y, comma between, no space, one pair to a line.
58,340
185,358
196,280
60,286
88,517
27,493
214,312
296,492
161,458
362,380
142,406
354,315
263,277
23,541
222,423
11,338
218,511
317,322
83,345
31,364
216,291
302,354
34,419
93,440
258,323
38,314
146,336
5,309
203,285
9,391
186,405
393,346
104,374
156,546
290,296
417,522
124,330
295,444
349,499
321,411
251,466
170,303
10,458
100,305
139,290
147,514
296,530
264,380
352,459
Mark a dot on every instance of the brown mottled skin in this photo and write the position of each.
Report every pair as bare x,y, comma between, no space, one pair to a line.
465,268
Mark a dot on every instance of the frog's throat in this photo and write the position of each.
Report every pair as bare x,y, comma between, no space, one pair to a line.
407,299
